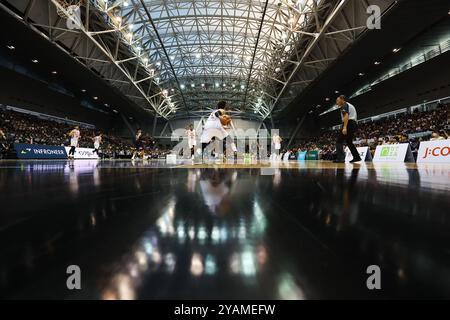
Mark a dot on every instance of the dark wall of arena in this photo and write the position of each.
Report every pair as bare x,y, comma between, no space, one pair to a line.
426,82
27,93
24,92
69,93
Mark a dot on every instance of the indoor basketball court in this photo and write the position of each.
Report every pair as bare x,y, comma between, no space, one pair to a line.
204,151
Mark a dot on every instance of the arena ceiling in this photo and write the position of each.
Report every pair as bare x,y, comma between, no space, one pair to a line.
178,58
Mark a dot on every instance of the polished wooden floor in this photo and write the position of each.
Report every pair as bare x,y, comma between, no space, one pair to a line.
152,230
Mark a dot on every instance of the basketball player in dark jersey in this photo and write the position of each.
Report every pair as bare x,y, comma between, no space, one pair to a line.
137,143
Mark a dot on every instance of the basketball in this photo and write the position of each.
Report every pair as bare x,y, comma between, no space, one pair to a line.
225,120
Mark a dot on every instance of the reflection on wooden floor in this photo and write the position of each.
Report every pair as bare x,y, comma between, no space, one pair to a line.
286,230
306,165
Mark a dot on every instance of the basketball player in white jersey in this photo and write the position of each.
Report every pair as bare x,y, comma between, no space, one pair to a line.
75,136
192,139
2,134
276,140
213,126
3,142
97,141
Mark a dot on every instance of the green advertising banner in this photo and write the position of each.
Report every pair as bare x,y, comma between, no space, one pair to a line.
312,155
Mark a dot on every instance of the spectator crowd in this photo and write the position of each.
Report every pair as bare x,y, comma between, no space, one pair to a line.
25,128
405,128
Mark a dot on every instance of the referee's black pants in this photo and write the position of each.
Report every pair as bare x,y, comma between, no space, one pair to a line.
352,127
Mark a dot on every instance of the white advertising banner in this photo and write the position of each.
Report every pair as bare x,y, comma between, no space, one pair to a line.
83,153
393,153
434,152
171,159
364,153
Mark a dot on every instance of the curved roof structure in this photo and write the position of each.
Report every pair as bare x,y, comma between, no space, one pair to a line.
204,51
177,58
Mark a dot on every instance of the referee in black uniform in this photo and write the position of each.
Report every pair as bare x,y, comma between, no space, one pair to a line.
349,127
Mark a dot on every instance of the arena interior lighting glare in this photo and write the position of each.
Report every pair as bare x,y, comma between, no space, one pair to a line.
395,50
83,90
35,60
95,98
10,47
54,72
377,63
266,34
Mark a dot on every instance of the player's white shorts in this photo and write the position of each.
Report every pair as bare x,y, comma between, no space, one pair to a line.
192,143
96,145
210,132
277,146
